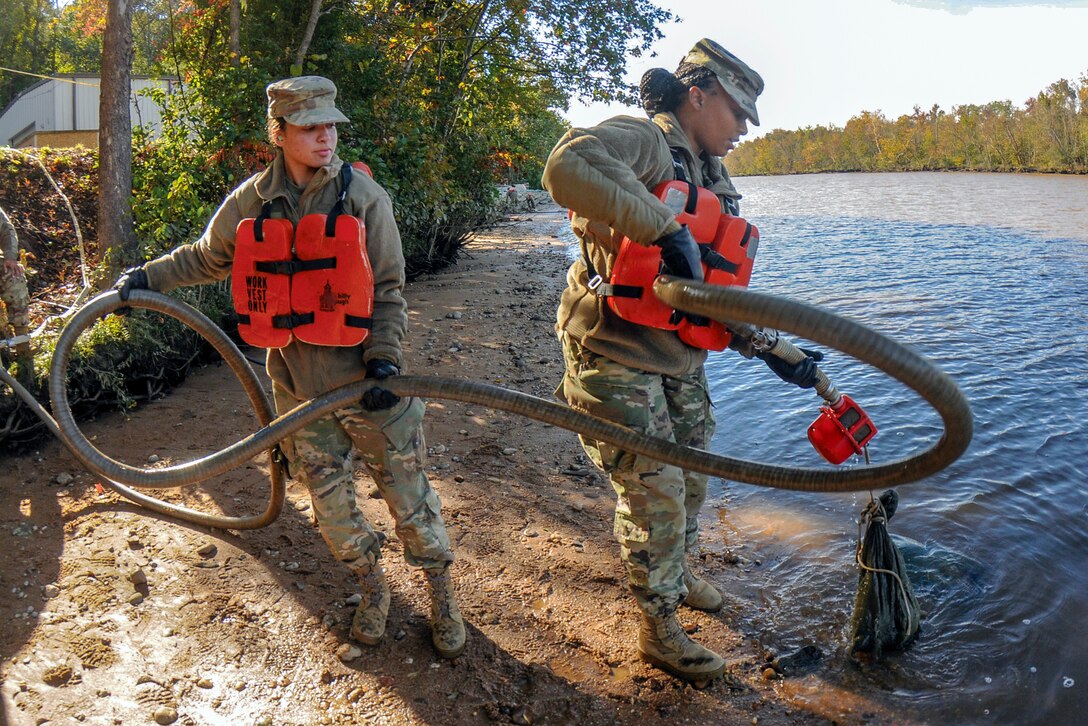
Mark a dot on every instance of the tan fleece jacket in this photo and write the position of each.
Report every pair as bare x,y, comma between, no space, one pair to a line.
305,370
604,175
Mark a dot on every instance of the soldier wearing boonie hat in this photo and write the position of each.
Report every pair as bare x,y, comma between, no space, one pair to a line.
304,101
382,430
644,377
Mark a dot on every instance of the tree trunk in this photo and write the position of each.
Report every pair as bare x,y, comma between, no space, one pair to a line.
116,232
235,31
307,36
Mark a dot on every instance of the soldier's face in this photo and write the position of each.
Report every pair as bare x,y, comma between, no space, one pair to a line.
719,122
308,147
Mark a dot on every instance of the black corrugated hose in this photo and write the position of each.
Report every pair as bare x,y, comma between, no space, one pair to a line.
719,303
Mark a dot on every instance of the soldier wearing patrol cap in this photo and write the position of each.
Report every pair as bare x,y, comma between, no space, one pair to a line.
386,432
741,83
304,100
644,377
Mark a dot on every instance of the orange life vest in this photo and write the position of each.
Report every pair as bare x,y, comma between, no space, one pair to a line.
728,245
727,260
313,283
636,267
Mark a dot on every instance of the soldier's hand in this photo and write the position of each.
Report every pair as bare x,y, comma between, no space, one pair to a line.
134,278
683,258
802,374
681,255
377,398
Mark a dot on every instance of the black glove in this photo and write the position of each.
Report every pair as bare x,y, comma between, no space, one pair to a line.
681,255
379,399
801,374
683,258
134,278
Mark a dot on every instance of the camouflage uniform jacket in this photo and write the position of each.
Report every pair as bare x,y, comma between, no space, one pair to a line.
305,370
604,175
9,241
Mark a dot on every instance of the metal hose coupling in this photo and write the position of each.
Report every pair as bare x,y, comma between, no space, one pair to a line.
15,340
770,341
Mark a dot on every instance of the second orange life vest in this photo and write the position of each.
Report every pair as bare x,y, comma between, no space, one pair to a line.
728,245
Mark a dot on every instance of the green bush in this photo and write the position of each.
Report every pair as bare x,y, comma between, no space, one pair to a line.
120,360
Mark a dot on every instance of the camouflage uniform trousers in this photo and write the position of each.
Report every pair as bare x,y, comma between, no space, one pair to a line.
17,304
16,300
391,446
657,505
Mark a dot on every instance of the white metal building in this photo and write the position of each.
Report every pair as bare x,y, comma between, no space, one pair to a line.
63,111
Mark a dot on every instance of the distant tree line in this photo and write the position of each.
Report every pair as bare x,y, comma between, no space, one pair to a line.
1049,134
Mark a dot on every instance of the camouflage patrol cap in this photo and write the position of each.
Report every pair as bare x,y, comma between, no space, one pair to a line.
304,101
741,83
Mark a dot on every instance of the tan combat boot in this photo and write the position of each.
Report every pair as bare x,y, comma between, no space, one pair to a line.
701,594
447,627
368,623
663,643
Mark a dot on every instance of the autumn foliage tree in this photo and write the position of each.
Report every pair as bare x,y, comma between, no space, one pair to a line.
1048,134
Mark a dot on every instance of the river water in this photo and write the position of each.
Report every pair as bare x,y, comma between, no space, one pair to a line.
986,275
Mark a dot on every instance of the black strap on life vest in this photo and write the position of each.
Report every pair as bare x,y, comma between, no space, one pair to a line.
678,164
747,234
296,319
292,320
356,321
716,261
258,223
290,267
607,289
593,280
281,321
338,208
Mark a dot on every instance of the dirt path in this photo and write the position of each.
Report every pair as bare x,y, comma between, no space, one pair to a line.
112,615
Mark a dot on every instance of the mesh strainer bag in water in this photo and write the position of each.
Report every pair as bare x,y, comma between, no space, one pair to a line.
886,615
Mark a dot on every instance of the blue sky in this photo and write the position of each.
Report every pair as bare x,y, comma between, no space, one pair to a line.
827,60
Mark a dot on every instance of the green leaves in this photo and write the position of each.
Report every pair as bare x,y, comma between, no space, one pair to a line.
445,99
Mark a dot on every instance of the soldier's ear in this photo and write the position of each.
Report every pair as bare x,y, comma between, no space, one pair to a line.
696,96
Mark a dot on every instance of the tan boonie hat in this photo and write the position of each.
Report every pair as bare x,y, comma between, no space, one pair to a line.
304,101
741,83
